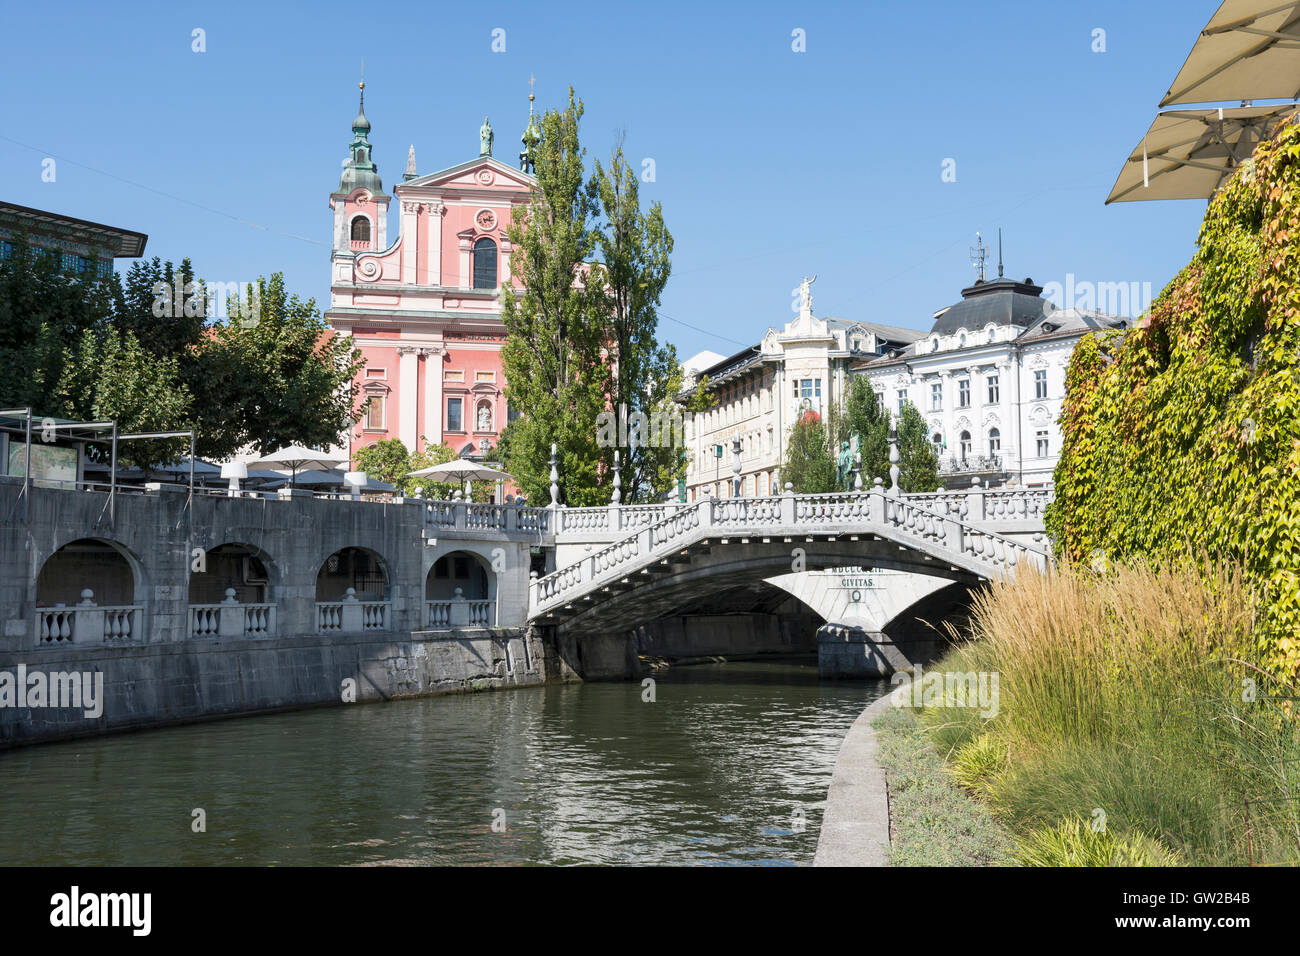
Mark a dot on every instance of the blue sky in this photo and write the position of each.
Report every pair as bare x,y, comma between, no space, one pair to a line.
770,164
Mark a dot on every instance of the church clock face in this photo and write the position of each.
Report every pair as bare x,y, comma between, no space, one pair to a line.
486,219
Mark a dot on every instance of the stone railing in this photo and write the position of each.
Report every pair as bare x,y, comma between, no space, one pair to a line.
980,504
458,612
479,518
351,616
614,518
88,622
232,619
903,518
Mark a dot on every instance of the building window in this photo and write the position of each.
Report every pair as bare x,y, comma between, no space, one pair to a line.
995,442
902,399
965,445
1044,446
963,393
360,229
936,397
937,441
7,249
993,389
1040,383
485,264
375,412
455,415
512,413
880,399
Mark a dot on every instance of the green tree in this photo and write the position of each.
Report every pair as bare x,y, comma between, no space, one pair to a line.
635,249
863,415
556,375
43,311
108,375
809,465
274,374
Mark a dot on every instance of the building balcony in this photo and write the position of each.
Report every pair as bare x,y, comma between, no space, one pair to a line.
974,465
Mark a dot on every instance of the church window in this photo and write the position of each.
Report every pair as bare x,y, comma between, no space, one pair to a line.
360,229
485,264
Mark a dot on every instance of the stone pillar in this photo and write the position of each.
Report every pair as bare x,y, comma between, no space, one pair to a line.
410,233
849,651
88,620
434,245
459,610
230,617
352,619
408,395
433,393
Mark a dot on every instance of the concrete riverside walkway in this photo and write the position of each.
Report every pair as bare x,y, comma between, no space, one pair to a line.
855,826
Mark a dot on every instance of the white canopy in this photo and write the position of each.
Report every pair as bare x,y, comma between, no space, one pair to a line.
460,469
1187,154
1250,50
295,457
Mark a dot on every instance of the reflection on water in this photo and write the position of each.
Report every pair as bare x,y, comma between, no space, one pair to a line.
730,764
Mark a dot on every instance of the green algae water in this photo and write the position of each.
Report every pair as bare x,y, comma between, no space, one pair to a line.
728,765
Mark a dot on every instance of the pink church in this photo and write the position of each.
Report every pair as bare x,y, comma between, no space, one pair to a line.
424,307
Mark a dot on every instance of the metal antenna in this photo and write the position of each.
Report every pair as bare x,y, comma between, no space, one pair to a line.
979,252
999,252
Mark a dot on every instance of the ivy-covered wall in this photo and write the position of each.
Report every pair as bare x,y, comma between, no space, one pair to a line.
1183,435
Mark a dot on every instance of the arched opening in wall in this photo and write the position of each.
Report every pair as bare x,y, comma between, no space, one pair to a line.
485,264
358,568
483,415
231,566
460,591
360,229
86,564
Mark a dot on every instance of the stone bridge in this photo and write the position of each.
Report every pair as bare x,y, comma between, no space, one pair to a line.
675,555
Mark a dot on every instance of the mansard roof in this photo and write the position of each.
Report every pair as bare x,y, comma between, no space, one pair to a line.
999,301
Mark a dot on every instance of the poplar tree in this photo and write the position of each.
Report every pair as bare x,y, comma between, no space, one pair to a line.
556,375
635,249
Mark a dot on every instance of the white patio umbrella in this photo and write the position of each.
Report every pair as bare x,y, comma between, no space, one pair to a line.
458,470
295,457
1250,50
1187,154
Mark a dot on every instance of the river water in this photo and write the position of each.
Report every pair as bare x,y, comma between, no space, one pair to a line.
728,765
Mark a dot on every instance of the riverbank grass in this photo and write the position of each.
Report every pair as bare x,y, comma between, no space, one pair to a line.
1134,725
933,822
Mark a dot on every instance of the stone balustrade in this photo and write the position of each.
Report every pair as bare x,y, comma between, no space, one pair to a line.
230,618
932,525
88,622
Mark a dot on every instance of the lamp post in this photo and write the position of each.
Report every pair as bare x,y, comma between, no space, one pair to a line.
735,465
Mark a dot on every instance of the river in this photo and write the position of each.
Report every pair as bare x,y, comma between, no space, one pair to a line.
728,765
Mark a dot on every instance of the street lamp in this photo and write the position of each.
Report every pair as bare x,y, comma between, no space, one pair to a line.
735,465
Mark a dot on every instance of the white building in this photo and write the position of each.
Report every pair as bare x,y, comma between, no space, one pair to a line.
989,379
761,390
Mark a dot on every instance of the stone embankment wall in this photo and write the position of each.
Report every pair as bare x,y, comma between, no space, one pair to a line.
154,685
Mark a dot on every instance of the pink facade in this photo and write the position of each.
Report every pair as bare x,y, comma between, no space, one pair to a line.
423,306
